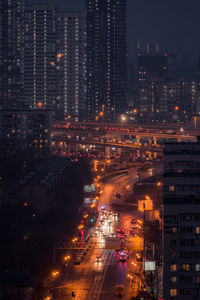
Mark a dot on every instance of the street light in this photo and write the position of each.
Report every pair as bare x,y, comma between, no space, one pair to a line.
123,118
66,258
55,274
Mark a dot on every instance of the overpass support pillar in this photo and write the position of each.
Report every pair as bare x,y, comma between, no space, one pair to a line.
138,139
150,155
76,149
155,155
107,152
154,141
68,150
119,151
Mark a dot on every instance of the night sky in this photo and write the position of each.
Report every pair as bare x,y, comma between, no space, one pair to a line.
175,24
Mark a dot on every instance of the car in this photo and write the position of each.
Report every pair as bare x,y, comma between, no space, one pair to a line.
119,290
98,259
133,221
118,195
77,261
122,258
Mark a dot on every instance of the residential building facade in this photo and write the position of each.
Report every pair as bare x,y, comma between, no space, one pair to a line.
70,65
181,255
39,57
106,58
11,52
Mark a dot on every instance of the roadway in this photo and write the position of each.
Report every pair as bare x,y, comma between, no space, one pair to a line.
96,280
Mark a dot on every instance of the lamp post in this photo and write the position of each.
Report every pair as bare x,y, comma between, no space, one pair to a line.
123,118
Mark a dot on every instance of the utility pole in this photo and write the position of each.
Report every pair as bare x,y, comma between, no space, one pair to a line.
144,243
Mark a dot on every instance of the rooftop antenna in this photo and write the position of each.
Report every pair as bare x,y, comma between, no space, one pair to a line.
157,48
148,48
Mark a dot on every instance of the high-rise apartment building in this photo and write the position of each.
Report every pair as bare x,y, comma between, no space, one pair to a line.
150,71
181,253
39,57
70,65
11,52
106,58
27,129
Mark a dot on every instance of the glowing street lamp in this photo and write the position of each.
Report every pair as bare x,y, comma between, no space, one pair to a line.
66,258
123,118
80,227
55,274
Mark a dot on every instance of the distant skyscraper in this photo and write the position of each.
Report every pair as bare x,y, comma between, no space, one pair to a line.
70,65
11,53
106,58
39,57
181,221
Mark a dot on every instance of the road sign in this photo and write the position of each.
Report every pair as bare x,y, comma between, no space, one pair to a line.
112,243
133,243
149,266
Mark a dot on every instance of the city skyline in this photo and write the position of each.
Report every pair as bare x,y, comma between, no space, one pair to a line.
172,25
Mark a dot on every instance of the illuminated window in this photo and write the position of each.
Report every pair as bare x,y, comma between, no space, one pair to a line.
173,292
173,268
171,188
186,267
197,267
174,230
173,279
197,230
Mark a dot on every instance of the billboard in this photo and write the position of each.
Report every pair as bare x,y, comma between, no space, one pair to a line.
113,243
133,243
146,204
89,188
149,266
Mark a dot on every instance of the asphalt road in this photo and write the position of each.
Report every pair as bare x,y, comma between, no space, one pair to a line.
96,280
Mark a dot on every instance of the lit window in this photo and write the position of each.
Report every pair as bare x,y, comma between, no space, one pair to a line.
173,292
174,230
171,188
197,230
174,279
186,267
173,268
197,267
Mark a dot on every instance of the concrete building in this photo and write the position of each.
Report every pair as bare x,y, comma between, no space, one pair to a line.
11,52
28,129
70,65
106,58
181,253
39,57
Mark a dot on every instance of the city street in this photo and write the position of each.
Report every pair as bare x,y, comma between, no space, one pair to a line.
96,280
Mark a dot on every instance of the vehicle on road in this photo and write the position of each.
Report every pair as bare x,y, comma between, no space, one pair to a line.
77,261
133,221
118,195
119,290
98,259
123,257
